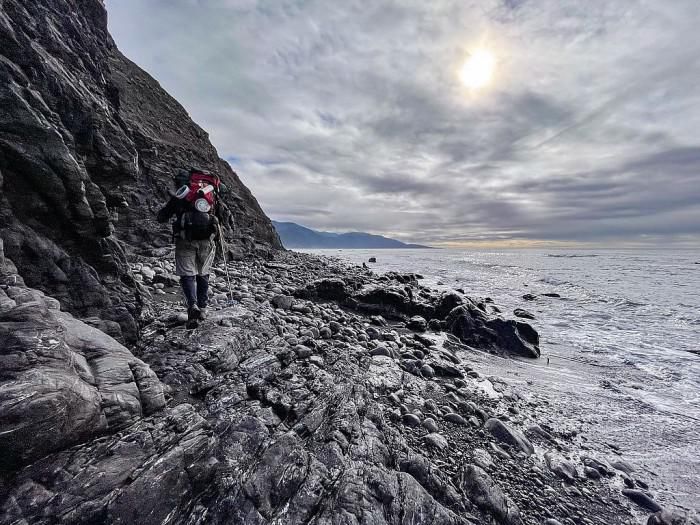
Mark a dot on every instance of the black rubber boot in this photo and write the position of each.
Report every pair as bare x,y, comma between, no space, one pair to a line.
193,316
202,291
189,289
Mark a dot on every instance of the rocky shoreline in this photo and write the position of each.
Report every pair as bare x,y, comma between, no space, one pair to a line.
326,394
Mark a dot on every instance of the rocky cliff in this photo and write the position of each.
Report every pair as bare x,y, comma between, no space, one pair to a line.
88,146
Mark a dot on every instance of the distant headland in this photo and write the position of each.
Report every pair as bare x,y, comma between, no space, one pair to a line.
296,236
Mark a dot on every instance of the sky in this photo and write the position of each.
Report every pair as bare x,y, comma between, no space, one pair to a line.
355,115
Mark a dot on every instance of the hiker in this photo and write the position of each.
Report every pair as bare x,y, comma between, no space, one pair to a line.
195,227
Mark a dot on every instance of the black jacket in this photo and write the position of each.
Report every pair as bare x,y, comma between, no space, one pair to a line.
174,206
178,207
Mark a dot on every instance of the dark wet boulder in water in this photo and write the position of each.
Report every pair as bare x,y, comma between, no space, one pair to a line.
372,260
403,278
488,496
478,329
601,466
524,314
551,294
448,301
623,466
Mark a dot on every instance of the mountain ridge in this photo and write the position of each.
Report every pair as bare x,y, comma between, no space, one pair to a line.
294,235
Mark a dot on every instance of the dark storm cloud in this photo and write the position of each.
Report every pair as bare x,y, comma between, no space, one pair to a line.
350,115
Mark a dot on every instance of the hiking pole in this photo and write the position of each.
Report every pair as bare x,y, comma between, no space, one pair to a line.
231,302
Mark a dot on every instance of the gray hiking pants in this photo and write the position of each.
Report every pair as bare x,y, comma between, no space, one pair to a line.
194,257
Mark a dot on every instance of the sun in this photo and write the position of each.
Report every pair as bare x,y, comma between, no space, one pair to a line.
477,71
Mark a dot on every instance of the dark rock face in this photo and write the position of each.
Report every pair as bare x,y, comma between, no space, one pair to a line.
61,381
88,146
478,329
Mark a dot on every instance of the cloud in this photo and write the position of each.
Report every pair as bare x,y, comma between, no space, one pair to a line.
350,116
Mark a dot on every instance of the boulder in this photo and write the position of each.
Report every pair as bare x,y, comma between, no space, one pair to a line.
436,440
623,466
325,289
642,499
476,328
562,467
417,323
411,420
455,418
508,435
482,459
283,302
488,496
524,314
62,381
391,301
448,301
403,278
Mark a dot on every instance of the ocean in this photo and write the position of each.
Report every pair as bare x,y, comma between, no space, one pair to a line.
620,361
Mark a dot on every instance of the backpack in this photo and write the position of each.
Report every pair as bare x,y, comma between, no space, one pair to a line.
199,195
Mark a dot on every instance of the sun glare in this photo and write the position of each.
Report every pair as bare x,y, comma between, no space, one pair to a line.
477,70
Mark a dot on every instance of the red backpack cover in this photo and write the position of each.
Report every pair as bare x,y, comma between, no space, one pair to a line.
203,185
